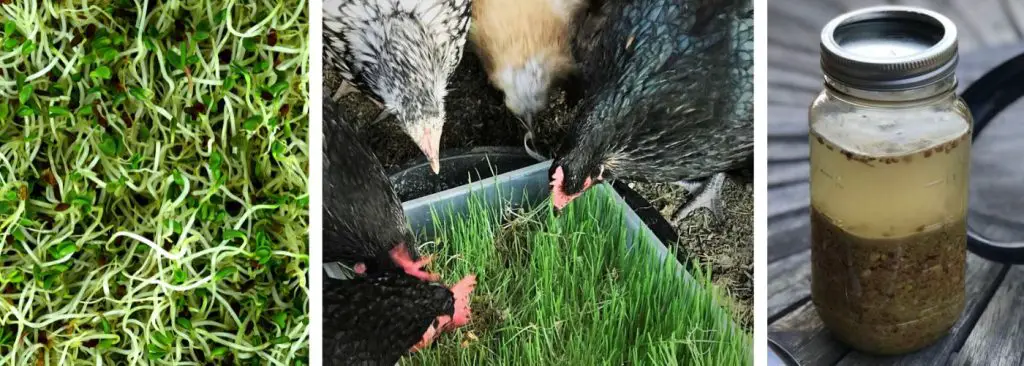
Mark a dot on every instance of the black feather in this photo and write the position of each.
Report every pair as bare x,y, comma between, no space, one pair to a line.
669,91
363,218
374,321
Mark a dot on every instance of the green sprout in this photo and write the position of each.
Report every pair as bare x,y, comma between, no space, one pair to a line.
141,220
568,290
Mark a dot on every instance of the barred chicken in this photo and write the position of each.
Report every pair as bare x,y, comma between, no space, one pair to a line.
400,53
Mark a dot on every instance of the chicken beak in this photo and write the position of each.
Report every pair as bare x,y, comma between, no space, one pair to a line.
430,143
435,165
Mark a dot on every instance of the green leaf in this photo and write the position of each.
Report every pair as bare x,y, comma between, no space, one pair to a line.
105,325
10,27
262,255
108,54
278,149
47,282
101,42
16,276
119,99
184,323
216,160
261,66
106,343
109,145
229,82
26,111
58,268
192,60
280,319
179,277
18,234
139,93
154,352
219,351
252,123
224,273
163,338
101,72
249,44
65,249
149,44
27,48
10,44
135,161
58,111
25,93
178,179
5,111
174,59
143,133
278,87
202,35
280,340
230,234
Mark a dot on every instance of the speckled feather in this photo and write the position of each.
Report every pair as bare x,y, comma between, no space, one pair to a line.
363,217
669,91
374,321
400,52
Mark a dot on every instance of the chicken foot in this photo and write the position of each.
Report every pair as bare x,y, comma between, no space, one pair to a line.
706,194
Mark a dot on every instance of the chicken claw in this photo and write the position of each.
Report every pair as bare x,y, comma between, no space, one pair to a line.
400,254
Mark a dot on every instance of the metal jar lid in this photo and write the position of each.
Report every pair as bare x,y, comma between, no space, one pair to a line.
889,48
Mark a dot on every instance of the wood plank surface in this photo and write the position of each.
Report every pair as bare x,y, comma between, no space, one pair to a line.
998,338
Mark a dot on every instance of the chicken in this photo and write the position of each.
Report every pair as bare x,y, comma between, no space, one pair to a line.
400,53
364,225
525,49
669,98
376,320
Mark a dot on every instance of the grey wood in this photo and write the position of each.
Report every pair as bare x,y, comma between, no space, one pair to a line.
1015,10
791,235
788,199
783,174
787,121
790,282
989,16
998,335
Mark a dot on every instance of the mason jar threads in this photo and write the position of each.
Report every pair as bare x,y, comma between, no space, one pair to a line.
890,149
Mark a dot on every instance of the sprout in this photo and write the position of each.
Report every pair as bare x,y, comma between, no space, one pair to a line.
141,218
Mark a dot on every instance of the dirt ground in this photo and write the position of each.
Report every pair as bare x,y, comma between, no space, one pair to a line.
476,116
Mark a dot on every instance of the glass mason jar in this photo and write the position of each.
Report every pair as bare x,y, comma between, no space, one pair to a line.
890,155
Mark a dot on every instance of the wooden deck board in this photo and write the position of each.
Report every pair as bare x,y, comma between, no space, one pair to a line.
998,334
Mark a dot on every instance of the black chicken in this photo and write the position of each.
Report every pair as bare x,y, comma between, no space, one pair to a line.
364,225
668,97
376,320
